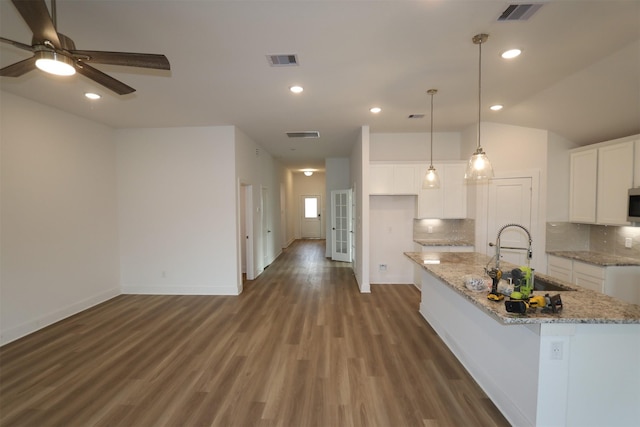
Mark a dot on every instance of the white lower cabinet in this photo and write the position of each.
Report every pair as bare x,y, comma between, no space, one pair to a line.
589,276
622,282
560,268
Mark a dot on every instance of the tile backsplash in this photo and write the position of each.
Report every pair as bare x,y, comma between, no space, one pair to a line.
455,230
566,236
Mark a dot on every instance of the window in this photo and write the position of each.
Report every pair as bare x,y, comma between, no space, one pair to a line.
310,207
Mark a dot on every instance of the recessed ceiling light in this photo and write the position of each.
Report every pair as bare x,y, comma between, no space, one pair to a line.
375,110
296,89
92,95
308,173
496,107
511,53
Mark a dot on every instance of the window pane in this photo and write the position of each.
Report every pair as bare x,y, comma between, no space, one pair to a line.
310,207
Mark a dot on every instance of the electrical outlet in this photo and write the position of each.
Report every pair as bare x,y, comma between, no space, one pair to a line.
430,229
628,242
556,350
382,267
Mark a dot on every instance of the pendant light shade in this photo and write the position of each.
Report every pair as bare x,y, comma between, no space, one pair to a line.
479,167
431,178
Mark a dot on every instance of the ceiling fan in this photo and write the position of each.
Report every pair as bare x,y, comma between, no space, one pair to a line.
51,48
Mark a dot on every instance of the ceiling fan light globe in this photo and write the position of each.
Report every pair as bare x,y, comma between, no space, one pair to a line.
52,63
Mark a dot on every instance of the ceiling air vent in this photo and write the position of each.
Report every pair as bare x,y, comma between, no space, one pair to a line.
416,116
305,134
290,60
519,12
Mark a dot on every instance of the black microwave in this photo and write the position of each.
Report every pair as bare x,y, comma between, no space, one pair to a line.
633,214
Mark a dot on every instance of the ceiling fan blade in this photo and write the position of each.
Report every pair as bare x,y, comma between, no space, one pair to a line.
36,15
19,68
142,60
103,79
17,44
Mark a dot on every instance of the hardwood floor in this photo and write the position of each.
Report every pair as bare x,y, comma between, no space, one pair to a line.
299,347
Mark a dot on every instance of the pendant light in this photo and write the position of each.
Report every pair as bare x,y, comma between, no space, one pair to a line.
479,168
431,178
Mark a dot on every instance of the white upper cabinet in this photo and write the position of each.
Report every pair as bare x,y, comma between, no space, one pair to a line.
600,179
615,177
636,173
582,186
448,201
390,179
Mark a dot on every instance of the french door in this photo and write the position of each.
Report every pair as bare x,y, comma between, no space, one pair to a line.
341,225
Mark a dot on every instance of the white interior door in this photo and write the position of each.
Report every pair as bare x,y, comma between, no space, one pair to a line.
247,231
510,203
310,223
340,225
266,227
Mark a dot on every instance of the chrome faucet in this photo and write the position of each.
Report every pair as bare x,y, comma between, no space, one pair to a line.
497,244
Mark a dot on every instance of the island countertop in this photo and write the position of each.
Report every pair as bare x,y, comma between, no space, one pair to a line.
579,306
597,258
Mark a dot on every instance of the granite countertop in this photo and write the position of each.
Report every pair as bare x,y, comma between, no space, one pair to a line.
597,258
579,306
442,242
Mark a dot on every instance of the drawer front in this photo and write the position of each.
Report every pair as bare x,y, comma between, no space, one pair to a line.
588,282
559,262
589,270
560,273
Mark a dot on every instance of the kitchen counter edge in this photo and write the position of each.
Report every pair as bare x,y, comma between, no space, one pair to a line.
579,306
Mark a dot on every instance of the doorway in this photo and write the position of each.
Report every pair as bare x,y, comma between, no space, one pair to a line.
341,225
246,230
310,221
266,227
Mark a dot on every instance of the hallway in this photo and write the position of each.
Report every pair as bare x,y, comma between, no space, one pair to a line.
299,347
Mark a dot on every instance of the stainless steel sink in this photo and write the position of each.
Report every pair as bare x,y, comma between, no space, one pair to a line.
543,285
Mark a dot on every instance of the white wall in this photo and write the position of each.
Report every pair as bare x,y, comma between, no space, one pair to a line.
359,168
558,177
391,234
288,228
337,178
58,216
177,210
415,146
256,167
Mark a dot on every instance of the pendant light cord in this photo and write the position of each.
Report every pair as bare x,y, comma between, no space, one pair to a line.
479,89
431,162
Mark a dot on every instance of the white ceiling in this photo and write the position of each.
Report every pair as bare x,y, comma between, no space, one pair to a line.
579,75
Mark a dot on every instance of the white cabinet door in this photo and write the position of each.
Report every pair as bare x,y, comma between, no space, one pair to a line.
448,201
381,179
390,179
455,191
582,186
589,276
636,173
430,201
404,179
615,177
560,268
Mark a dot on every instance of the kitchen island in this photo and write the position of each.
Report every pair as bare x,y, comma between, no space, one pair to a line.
578,367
